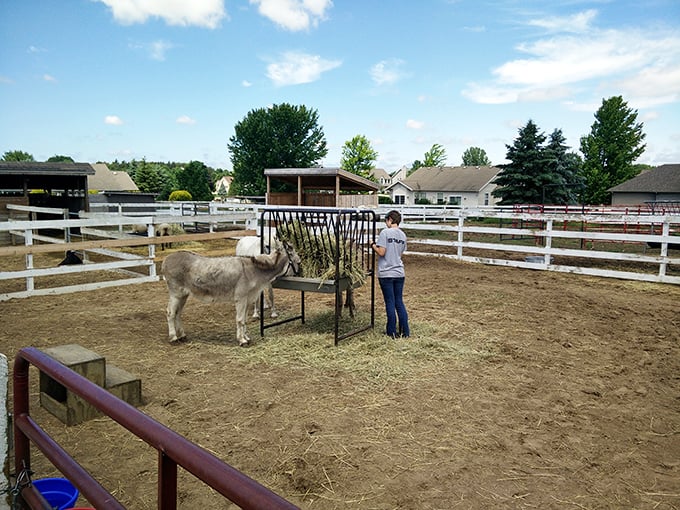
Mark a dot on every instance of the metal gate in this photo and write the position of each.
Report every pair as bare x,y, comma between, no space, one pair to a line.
334,245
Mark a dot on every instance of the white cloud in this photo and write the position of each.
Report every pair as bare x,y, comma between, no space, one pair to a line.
415,124
579,22
651,86
185,119
202,13
49,77
387,72
296,68
5,79
246,83
155,50
113,120
36,49
294,15
644,64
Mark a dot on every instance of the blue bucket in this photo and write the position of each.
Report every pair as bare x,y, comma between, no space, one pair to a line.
58,492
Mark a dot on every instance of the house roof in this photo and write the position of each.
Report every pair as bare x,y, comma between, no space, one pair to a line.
380,173
43,175
322,178
662,179
106,180
450,178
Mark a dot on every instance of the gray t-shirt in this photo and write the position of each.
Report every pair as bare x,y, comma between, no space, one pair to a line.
394,242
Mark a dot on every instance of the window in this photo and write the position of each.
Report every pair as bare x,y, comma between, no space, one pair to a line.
455,200
399,199
440,199
486,199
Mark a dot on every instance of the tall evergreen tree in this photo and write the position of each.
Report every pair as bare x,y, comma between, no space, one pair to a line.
523,179
195,179
565,185
611,148
147,177
282,136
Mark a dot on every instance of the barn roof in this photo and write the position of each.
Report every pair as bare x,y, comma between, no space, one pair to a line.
43,175
662,179
322,178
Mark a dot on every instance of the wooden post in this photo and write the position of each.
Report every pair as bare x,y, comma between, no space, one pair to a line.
299,191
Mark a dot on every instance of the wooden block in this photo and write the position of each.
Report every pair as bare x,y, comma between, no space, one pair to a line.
124,385
54,397
82,361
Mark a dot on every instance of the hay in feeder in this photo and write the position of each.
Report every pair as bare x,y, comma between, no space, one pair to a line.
318,250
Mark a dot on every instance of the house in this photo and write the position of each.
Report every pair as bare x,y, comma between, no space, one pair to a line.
466,186
399,175
222,187
106,180
116,187
381,177
660,184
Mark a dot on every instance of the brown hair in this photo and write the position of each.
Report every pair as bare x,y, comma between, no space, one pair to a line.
395,216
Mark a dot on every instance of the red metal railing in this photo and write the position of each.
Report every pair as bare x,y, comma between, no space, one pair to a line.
173,449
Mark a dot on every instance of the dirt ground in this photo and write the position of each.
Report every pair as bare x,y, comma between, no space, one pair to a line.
518,389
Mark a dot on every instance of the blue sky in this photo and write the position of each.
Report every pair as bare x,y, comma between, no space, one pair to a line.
167,80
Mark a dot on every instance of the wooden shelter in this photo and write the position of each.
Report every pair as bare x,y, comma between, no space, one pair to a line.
44,184
322,187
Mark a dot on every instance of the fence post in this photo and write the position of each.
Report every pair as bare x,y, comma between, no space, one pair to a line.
28,240
4,430
67,230
665,230
548,241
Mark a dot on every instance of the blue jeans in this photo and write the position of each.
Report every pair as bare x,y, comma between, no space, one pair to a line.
393,294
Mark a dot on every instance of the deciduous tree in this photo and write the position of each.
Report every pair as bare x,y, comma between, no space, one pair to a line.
358,156
17,156
282,136
474,156
436,156
611,149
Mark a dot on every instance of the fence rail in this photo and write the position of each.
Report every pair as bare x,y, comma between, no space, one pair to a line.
173,449
540,242
521,237
120,262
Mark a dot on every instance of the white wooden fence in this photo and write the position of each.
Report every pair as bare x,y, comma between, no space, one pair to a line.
542,233
472,239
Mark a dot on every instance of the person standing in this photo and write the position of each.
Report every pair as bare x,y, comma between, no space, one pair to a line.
391,275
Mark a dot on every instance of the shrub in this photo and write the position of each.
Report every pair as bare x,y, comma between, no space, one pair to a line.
180,195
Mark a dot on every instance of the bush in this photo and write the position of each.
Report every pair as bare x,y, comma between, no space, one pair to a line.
423,201
180,195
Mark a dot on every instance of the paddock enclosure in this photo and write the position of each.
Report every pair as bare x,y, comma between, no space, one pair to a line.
517,389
